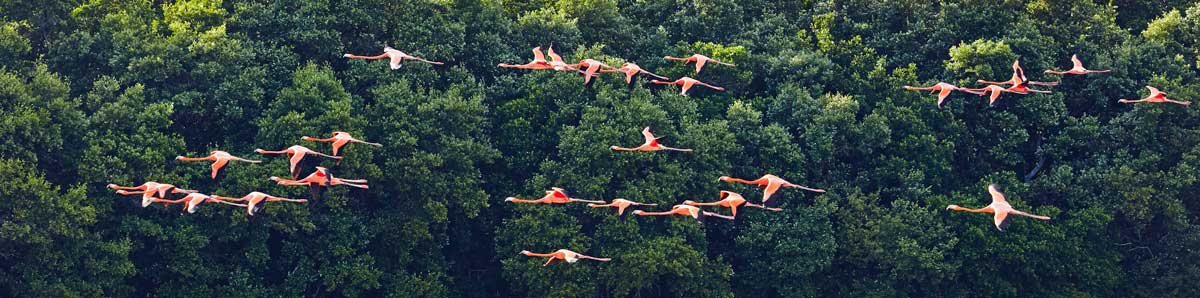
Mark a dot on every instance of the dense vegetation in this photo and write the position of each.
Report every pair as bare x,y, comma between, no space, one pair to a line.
102,91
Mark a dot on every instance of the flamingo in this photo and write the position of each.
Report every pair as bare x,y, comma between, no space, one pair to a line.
631,69
995,90
620,204
771,184
683,210
1156,97
1076,69
942,89
999,207
687,83
593,67
539,62
563,254
557,62
321,178
1022,89
395,55
296,155
700,60
651,144
1018,76
339,139
219,159
553,196
194,200
731,200
149,191
254,199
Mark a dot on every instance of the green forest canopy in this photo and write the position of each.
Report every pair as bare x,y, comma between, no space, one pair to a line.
101,91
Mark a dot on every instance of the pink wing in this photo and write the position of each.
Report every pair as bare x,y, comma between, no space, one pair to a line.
997,196
646,134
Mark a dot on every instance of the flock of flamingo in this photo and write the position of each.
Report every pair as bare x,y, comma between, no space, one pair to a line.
592,68
1018,84
301,159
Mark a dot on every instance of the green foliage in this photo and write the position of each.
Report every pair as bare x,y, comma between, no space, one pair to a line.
102,91
50,240
13,46
981,59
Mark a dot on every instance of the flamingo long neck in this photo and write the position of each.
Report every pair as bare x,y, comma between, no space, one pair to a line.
980,210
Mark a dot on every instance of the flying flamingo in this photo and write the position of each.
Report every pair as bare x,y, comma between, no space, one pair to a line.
149,191
731,200
557,61
620,204
321,178
396,57
632,69
219,159
1077,68
1018,76
296,155
255,199
651,144
999,207
1022,89
553,196
995,90
771,183
683,210
1156,97
563,254
539,62
687,83
593,67
942,89
194,200
339,139
699,60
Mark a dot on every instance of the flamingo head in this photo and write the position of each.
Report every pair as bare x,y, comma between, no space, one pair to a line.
725,179
347,55
273,178
638,212
953,207
688,202
614,147
259,150
112,186
146,202
526,252
509,199
178,157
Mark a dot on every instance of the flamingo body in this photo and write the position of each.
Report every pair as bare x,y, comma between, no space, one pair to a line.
687,84
999,208
1156,96
650,144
